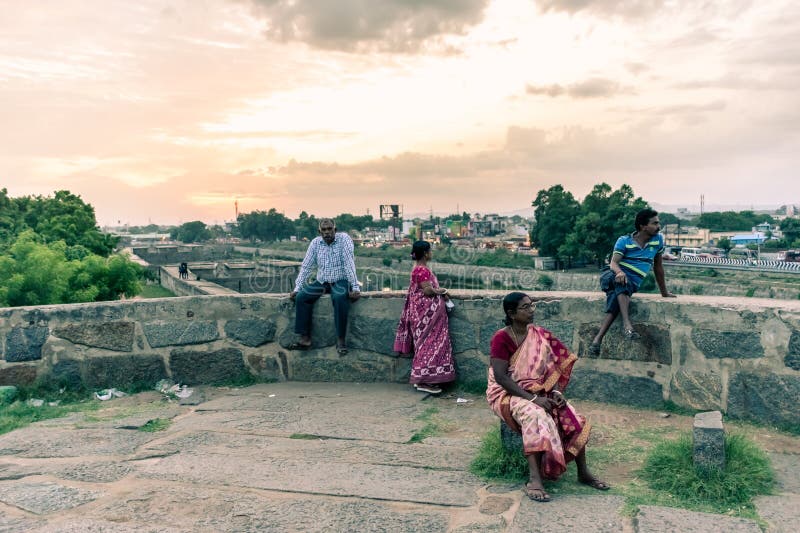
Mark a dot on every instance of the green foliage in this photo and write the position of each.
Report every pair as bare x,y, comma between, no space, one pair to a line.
155,291
266,226
604,216
62,217
724,243
791,230
494,462
430,428
34,273
730,220
189,232
696,289
545,281
556,212
750,292
387,261
670,468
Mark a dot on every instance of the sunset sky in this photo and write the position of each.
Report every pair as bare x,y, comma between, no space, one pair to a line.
168,111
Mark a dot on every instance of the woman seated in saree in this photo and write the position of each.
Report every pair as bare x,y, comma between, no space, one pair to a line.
529,370
423,326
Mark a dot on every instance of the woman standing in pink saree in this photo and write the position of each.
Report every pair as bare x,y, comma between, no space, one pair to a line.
423,326
529,370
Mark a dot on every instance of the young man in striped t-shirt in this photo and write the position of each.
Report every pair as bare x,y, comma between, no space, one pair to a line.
633,257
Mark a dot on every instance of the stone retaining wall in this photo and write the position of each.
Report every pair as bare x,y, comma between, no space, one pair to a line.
738,356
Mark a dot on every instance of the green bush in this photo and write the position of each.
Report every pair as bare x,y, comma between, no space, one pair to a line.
750,292
546,282
494,462
696,289
670,468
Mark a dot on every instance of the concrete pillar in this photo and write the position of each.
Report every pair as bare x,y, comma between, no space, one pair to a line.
708,436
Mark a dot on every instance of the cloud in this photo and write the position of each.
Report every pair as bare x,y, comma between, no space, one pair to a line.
623,8
368,25
591,88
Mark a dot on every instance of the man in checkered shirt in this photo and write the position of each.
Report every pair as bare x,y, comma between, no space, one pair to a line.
332,254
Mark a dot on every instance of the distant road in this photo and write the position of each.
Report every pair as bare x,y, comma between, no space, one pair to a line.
736,264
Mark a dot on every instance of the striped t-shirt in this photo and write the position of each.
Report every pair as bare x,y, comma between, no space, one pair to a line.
637,261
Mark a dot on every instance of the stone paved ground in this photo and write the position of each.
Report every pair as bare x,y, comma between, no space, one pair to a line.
315,457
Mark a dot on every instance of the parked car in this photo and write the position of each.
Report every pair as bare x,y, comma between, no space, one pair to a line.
790,256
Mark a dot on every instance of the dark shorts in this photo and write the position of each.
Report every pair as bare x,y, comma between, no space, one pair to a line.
614,289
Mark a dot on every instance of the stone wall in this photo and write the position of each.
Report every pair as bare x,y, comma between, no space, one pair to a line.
739,356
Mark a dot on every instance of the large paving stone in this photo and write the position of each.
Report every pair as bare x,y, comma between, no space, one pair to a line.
654,519
110,335
251,331
614,388
25,344
351,367
578,514
124,370
696,390
764,397
372,334
787,471
192,367
462,335
18,374
728,344
42,441
782,513
654,345
376,482
237,510
179,333
44,498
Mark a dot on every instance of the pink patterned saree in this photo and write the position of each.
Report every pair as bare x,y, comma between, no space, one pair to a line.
539,364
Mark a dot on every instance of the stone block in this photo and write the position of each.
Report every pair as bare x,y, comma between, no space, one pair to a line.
792,358
309,367
764,397
510,439
323,332
589,384
487,331
251,331
18,375
728,344
179,333
7,394
116,336
25,344
462,335
708,441
191,367
472,370
372,334
66,373
124,371
563,330
696,390
654,346
265,367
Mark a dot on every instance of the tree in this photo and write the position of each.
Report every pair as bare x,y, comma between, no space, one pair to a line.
791,231
556,212
604,216
724,243
63,217
190,232
265,226
730,220
668,218
35,273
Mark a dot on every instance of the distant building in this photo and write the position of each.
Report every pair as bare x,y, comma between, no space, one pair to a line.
748,238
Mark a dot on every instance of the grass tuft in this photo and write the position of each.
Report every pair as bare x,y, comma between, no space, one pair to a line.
430,428
20,414
494,462
669,468
156,424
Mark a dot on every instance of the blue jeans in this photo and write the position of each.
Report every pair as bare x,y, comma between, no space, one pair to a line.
308,296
